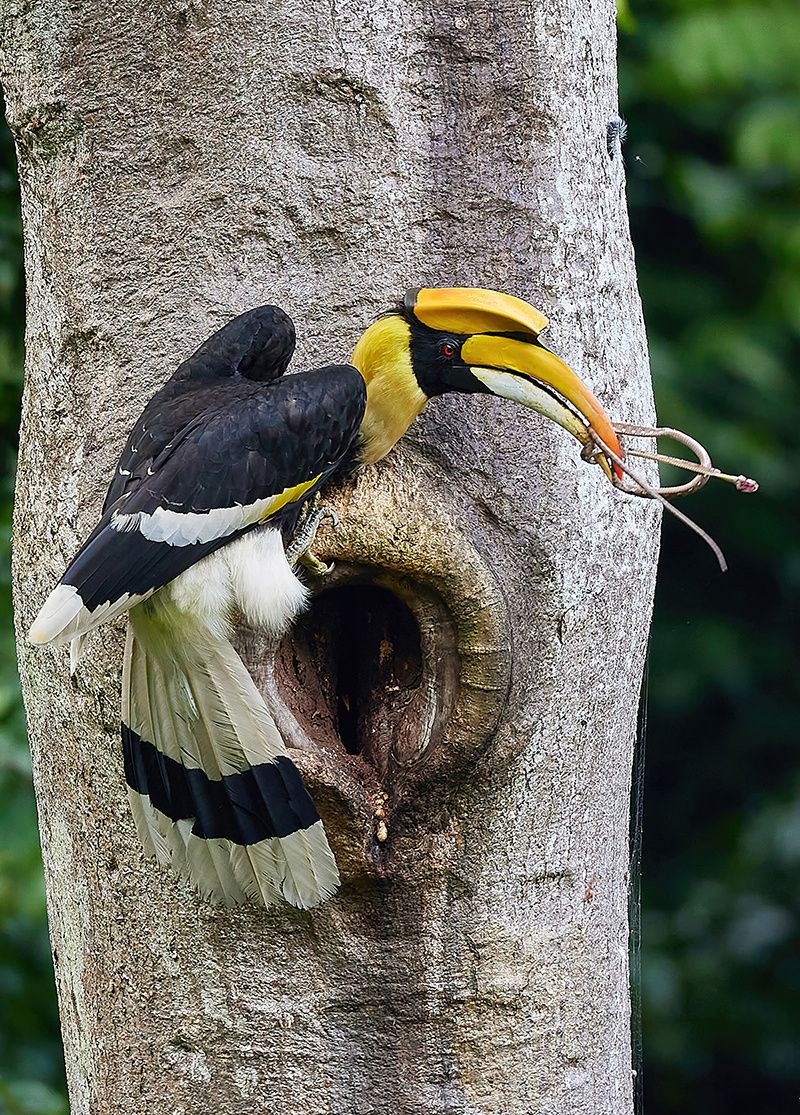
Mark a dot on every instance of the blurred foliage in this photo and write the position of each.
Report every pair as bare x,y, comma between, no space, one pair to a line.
711,94
712,98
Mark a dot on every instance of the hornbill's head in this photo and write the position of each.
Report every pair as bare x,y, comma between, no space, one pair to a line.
470,340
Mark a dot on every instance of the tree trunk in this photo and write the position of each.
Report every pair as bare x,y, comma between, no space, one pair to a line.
182,161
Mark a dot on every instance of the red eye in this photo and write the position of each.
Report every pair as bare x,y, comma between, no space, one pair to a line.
448,349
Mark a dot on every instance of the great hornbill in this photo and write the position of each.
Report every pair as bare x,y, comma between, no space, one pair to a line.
193,529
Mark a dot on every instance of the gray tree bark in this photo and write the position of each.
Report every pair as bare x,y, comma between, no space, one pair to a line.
182,160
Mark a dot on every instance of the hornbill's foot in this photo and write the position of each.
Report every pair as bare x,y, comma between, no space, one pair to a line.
313,564
298,552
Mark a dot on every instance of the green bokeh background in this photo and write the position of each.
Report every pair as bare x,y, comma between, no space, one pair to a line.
711,94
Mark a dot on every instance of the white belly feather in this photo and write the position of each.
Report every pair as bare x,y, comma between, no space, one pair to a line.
251,575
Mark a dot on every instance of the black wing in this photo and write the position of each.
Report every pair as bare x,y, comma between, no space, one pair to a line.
253,459
255,347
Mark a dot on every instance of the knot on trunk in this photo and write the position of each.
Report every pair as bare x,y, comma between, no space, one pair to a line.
397,675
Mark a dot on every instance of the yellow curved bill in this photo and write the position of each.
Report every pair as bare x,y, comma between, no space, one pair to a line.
499,354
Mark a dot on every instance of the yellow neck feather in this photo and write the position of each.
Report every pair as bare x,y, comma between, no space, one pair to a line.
394,398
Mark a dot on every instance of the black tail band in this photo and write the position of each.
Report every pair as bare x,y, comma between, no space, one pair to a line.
264,801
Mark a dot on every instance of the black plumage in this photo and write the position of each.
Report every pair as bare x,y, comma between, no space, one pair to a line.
226,447
260,803
250,441
255,347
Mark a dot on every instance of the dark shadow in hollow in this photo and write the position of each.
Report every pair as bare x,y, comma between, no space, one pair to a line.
355,671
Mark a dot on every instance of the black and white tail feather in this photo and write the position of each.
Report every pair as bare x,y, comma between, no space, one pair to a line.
212,790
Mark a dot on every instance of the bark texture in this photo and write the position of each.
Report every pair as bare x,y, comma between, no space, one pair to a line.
183,160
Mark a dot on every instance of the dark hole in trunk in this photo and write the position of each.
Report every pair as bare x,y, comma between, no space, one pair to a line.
353,669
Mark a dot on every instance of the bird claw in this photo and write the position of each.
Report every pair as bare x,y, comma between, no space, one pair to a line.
313,564
298,552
